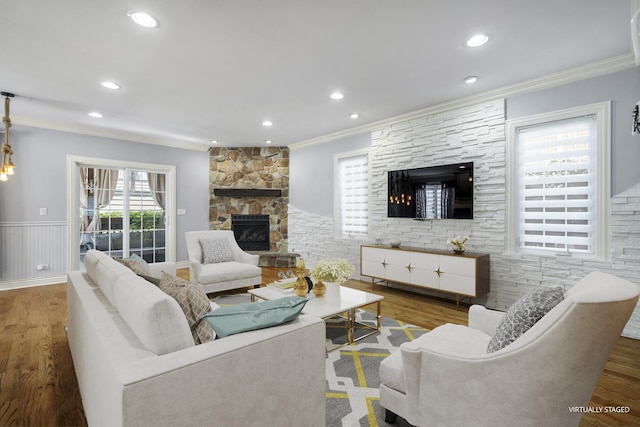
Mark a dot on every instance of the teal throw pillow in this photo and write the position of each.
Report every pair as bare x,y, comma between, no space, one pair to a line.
235,319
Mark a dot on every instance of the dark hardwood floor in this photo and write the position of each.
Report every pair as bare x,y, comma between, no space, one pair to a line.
38,385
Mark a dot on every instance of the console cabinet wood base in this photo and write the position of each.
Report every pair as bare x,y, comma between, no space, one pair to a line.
465,275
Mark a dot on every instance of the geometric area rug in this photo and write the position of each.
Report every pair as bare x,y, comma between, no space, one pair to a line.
352,372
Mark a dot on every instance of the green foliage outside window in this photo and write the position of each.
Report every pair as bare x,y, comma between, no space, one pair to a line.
148,219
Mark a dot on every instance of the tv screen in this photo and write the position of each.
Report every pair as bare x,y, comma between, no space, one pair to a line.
436,192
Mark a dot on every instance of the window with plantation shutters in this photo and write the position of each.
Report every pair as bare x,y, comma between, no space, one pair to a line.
352,214
559,183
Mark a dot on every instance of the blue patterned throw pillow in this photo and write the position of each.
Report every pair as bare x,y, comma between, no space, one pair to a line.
215,251
523,314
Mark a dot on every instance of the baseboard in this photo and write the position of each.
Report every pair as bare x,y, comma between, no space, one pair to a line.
29,283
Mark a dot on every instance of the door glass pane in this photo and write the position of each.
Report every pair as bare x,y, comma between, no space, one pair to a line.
122,212
146,203
101,220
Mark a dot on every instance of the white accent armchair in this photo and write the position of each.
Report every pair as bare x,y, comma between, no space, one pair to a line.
239,270
446,377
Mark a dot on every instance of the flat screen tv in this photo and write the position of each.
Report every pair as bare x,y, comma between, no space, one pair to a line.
436,192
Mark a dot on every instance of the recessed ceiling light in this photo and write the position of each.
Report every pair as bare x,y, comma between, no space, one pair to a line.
477,40
354,115
143,19
267,123
267,141
110,85
337,95
470,79
95,115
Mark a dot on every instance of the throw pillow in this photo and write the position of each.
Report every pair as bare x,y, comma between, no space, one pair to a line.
194,304
135,265
523,314
215,251
150,279
234,319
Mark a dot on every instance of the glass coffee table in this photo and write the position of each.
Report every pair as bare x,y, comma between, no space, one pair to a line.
337,301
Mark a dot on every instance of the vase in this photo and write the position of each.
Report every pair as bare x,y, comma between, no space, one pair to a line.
319,288
395,243
301,287
458,251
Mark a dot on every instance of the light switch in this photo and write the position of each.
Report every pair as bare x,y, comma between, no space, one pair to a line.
43,211
182,211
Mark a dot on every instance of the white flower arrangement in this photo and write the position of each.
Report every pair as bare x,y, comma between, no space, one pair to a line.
458,242
336,270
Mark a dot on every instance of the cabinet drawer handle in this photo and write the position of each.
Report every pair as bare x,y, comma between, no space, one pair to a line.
438,271
384,263
409,267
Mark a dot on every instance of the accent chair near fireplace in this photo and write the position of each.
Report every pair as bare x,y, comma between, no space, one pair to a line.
217,263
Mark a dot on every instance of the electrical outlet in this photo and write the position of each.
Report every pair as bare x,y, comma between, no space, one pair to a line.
41,267
182,212
43,211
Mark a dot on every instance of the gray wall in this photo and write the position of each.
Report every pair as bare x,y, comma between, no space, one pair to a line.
40,156
623,89
311,173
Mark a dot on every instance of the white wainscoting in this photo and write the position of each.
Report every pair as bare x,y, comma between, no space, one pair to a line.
26,245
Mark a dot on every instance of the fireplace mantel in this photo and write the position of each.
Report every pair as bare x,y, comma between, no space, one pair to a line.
247,192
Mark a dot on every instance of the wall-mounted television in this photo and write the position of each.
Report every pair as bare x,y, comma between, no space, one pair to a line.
435,192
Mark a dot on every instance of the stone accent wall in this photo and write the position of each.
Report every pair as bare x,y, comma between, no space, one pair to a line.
475,133
250,168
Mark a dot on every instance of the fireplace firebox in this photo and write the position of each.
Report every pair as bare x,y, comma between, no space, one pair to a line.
251,231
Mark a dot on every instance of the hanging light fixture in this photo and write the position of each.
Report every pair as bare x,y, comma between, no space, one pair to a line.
8,168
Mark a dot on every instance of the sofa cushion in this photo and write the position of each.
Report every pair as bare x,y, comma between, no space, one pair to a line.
445,339
215,250
227,271
234,319
523,314
91,259
154,317
193,302
107,273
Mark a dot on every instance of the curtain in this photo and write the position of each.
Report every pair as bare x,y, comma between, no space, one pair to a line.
157,185
84,199
421,202
448,195
105,181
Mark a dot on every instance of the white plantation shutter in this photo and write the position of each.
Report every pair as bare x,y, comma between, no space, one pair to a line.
556,185
354,194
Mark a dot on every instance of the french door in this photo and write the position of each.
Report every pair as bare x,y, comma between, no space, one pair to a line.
122,209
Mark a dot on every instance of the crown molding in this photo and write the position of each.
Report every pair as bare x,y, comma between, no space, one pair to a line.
599,68
108,133
595,69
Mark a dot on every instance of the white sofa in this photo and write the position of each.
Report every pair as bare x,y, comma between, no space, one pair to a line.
240,271
137,364
447,378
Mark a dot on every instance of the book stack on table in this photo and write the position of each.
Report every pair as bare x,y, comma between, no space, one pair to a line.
284,285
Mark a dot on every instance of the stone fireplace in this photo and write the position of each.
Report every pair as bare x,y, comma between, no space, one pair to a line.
251,231
251,181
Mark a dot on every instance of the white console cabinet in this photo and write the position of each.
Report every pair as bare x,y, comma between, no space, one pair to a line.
465,275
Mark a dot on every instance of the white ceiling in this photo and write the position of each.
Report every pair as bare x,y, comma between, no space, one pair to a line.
217,69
